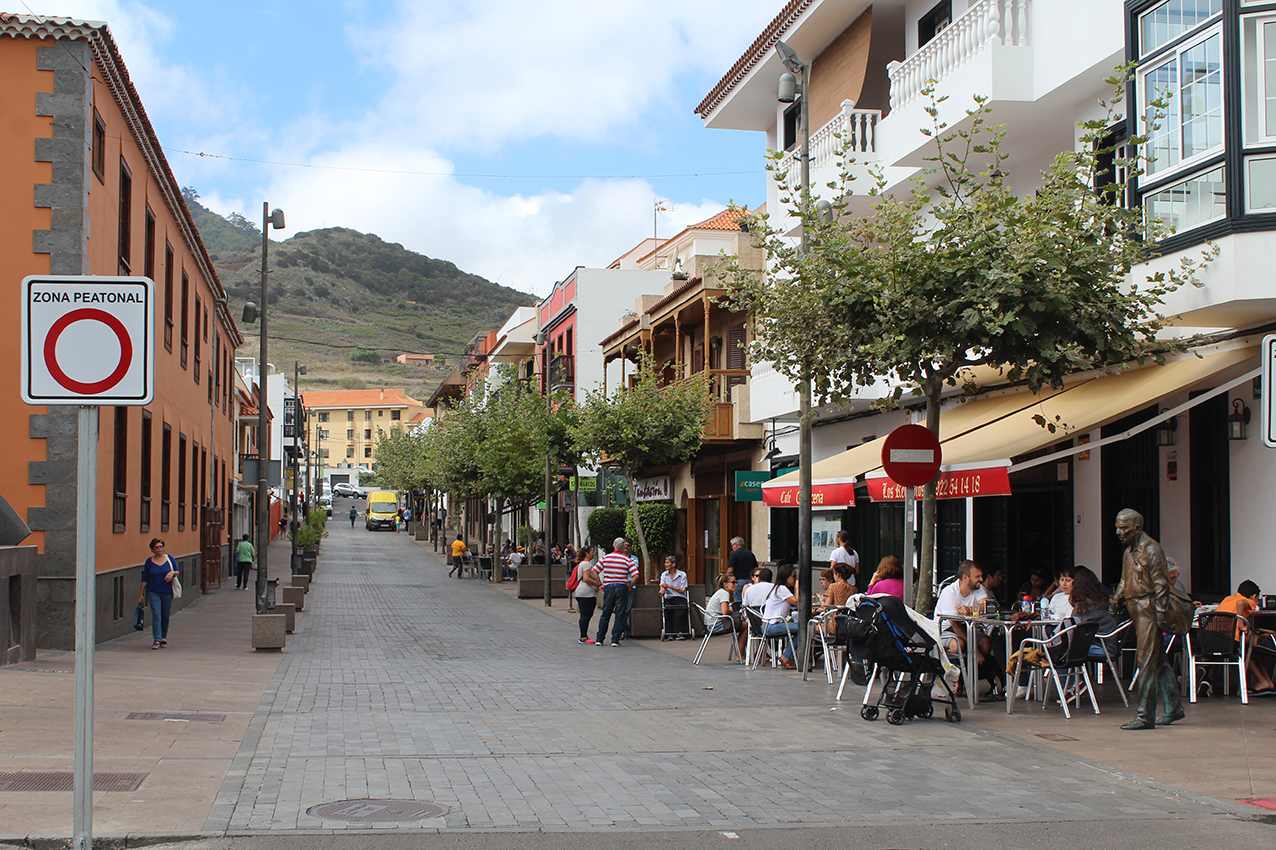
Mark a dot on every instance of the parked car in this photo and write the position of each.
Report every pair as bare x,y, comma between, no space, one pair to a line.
343,488
325,502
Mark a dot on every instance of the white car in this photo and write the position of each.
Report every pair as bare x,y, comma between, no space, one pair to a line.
325,502
343,488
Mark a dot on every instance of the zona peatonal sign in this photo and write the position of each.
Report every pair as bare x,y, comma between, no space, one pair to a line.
88,340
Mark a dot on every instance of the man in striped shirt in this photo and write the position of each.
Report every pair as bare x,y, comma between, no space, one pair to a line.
618,574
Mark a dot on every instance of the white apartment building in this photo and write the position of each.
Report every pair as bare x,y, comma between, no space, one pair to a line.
1165,440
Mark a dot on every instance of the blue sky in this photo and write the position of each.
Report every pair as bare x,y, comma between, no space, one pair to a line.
516,138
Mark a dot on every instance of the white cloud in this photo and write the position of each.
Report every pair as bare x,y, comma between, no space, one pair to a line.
499,70
523,241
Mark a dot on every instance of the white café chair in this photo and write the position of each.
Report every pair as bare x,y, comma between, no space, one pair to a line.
706,617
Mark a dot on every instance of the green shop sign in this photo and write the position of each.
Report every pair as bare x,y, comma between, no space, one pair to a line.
748,485
588,483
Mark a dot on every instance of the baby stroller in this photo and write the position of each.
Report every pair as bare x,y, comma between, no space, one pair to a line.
884,643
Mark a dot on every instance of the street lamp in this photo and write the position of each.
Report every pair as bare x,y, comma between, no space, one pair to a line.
298,369
791,89
542,338
252,313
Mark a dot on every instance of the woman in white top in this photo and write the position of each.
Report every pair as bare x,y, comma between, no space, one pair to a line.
844,554
1059,606
586,591
719,616
777,607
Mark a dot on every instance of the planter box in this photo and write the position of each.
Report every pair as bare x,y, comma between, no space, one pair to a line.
290,615
531,581
302,581
295,595
644,619
268,631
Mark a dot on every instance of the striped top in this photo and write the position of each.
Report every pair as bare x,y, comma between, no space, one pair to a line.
618,568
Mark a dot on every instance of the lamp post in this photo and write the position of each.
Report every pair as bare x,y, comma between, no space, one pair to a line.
542,338
269,219
791,89
298,370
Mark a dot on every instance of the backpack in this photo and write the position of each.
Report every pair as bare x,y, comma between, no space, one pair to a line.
573,578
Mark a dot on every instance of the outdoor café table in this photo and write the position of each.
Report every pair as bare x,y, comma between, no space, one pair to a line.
1007,627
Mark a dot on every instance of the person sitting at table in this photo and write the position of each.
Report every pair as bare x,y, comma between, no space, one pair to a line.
1058,606
994,579
719,617
965,598
889,578
1089,600
841,586
515,561
1243,603
1037,585
777,606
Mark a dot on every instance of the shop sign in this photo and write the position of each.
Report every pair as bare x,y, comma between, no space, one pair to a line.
822,496
658,489
748,485
952,484
588,483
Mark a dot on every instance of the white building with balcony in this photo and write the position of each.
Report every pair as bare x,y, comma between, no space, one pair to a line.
1155,439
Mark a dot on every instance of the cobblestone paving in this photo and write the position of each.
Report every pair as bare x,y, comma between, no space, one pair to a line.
403,683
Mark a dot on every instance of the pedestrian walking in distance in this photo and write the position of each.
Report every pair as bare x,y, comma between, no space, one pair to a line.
354,514
245,554
158,572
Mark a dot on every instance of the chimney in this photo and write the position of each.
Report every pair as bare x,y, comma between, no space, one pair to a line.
383,395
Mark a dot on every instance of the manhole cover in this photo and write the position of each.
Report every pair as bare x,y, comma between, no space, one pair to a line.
377,811
64,780
1053,737
175,715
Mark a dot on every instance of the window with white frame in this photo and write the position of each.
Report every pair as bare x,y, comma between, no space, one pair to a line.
1258,78
1198,200
1167,21
1260,184
1190,77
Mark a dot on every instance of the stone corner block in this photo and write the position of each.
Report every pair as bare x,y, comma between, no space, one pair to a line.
294,595
268,631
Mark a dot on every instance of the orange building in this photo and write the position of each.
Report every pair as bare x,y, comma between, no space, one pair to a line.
86,190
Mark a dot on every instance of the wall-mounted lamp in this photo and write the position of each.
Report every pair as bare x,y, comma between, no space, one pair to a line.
1165,431
1237,422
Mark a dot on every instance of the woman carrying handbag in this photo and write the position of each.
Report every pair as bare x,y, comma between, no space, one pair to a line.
160,581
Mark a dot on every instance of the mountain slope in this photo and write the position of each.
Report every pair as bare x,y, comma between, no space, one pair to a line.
336,290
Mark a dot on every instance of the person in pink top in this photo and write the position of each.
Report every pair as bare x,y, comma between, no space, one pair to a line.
889,578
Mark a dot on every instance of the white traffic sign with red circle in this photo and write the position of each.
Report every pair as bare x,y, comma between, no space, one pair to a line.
88,340
911,455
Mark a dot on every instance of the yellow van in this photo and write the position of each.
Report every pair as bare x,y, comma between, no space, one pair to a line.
383,510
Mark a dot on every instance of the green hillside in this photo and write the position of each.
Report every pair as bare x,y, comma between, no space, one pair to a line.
334,291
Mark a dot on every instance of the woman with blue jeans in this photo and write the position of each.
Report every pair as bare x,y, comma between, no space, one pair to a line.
158,572
777,608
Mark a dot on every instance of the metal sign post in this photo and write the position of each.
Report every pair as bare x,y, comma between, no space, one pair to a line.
87,341
1268,415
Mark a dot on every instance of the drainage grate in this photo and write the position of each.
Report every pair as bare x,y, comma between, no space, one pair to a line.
1262,804
377,811
175,715
15,669
64,780
1055,737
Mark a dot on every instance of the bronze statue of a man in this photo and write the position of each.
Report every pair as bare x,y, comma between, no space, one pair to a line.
1145,588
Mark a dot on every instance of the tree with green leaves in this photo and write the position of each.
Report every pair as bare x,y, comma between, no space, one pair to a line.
642,426
961,272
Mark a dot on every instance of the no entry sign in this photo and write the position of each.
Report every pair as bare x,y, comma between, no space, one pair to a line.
88,340
911,455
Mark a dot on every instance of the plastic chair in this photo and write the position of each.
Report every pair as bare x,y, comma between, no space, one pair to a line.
1213,642
709,633
774,643
1080,638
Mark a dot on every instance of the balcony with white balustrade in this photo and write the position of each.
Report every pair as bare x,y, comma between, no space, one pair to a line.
1040,63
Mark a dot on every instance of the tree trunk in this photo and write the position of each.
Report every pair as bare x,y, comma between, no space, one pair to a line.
642,538
926,574
500,532
576,509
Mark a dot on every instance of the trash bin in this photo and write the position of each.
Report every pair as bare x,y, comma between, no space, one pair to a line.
271,584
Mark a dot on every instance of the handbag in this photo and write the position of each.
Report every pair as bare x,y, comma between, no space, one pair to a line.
177,579
139,619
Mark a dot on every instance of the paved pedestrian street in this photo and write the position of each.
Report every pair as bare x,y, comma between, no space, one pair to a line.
407,684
